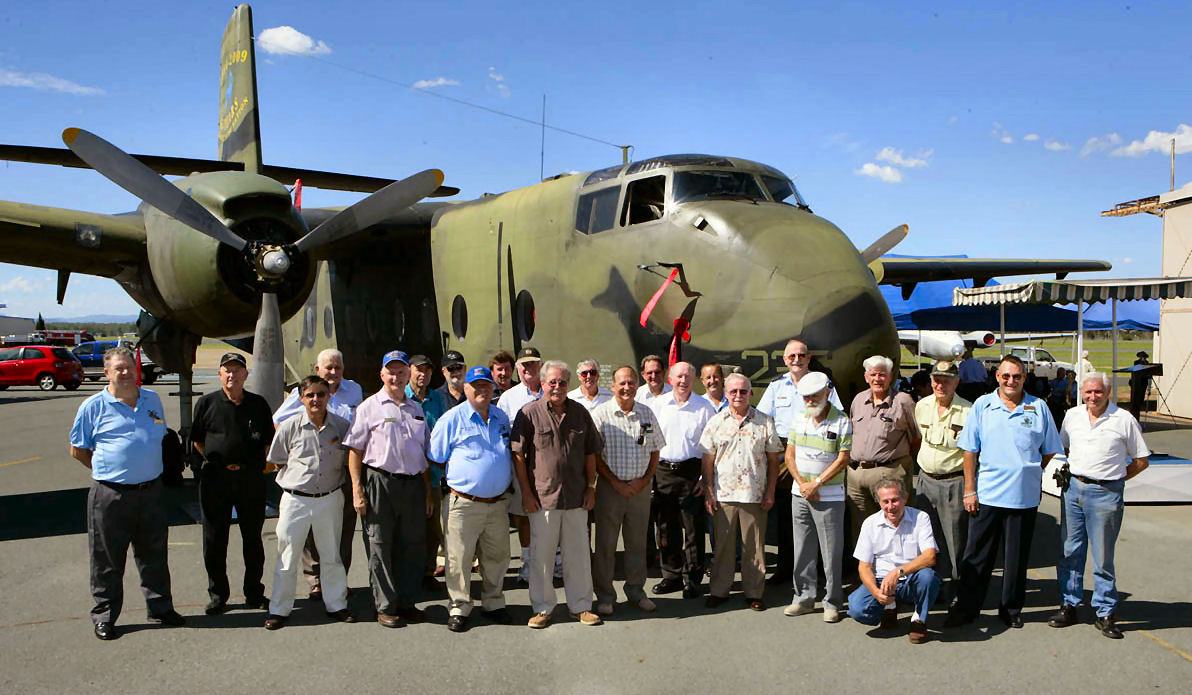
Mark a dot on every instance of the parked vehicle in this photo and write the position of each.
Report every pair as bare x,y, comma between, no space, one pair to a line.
1039,362
44,366
91,355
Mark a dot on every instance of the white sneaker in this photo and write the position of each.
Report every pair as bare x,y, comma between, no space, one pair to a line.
604,608
831,615
797,608
647,605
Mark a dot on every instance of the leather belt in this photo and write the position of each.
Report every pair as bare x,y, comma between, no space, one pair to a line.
943,476
403,476
128,486
675,465
871,464
1094,481
474,498
308,494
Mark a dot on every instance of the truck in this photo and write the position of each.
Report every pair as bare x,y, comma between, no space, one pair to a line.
67,338
1039,362
91,355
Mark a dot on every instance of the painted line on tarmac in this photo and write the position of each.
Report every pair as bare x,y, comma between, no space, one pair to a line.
28,460
1166,645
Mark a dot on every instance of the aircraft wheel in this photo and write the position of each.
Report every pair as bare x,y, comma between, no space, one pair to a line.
46,382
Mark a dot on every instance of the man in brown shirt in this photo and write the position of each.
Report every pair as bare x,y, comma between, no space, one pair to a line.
555,444
885,440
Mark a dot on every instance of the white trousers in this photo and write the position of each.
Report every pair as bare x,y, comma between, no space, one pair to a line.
323,518
566,529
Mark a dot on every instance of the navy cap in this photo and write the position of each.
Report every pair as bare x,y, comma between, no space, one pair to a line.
395,356
233,357
479,374
453,358
419,360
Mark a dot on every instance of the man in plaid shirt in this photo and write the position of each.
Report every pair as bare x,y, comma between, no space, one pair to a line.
632,440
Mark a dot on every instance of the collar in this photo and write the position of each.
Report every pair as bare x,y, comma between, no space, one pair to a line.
384,397
414,396
107,396
886,522
888,400
307,422
476,414
832,414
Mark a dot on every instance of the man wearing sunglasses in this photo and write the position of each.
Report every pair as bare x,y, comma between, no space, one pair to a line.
590,393
1008,439
453,371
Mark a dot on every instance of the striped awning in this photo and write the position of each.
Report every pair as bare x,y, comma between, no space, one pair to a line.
1070,291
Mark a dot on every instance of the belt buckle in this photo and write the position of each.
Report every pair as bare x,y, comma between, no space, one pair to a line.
232,466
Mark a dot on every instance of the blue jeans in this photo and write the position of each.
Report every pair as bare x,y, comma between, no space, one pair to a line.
919,588
1091,515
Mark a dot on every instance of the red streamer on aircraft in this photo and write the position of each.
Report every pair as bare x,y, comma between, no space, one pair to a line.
681,335
658,295
298,193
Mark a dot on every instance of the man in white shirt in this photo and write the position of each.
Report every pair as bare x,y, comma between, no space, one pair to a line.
896,553
711,374
653,380
1105,449
589,393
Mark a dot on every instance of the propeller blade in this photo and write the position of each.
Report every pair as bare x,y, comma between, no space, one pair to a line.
883,245
130,174
373,209
268,375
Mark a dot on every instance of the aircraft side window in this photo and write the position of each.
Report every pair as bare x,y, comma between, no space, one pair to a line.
524,317
597,211
328,321
459,317
644,201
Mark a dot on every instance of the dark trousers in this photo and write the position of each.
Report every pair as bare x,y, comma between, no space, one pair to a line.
117,518
310,554
680,522
786,536
221,491
396,525
1012,530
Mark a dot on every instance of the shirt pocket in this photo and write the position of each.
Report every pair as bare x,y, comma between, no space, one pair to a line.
544,438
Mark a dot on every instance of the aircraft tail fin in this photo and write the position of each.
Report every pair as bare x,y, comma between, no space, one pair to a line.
239,123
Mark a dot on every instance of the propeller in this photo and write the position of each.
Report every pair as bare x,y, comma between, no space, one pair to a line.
888,241
271,261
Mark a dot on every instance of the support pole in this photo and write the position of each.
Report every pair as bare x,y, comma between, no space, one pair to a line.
1079,349
1115,338
1002,312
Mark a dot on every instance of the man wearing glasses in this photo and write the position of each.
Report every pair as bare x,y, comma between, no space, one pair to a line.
782,402
453,371
1008,439
590,393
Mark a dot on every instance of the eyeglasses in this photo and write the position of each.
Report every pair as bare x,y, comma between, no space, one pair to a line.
315,394
1010,377
589,372
557,382
456,368
738,392
798,355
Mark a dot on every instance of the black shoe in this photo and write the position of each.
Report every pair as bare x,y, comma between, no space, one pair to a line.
343,615
692,591
256,603
668,586
216,606
779,579
457,623
499,616
1009,619
316,595
274,622
715,601
957,617
170,618
1064,617
411,615
1107,626
106,631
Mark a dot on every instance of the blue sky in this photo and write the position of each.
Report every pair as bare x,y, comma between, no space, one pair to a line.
992,132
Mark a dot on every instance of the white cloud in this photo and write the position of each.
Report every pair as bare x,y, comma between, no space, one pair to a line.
1056,146
1001,133
1030,137
1158,141
887,174
437,82
287,40
502,87
18,284
1007,139
1100,143
45,83
893,156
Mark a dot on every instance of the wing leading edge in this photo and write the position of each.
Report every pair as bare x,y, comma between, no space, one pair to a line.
908,272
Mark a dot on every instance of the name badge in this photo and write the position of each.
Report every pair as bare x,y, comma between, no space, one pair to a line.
830,435
389,420
1028,408
1027,422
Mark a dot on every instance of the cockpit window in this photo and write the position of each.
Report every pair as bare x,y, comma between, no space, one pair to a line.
644,201
597,211
783,191
709,185
603,174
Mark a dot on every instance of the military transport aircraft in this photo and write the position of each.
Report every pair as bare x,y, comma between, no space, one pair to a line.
718,258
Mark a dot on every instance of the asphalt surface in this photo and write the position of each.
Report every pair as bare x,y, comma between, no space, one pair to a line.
46,642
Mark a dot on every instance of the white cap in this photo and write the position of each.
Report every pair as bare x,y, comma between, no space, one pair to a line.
812,383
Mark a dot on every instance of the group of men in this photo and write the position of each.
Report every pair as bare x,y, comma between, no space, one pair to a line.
624,460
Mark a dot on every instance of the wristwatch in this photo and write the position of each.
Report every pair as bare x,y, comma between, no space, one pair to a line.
592,485
901,573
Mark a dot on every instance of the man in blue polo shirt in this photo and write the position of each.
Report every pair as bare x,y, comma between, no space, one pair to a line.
472,441
117,433
1008,439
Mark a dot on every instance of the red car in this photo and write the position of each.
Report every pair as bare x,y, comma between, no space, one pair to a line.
44,366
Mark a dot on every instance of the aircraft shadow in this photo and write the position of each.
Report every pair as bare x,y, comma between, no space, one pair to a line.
40,396
64,512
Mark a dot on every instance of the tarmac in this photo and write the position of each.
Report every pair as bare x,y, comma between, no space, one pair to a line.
47,645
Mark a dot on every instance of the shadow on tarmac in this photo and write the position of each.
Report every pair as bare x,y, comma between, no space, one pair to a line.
64,512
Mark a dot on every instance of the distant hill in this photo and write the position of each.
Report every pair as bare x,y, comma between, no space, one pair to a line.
96,318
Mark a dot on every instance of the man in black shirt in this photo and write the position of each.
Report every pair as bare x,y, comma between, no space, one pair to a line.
453,371
232,430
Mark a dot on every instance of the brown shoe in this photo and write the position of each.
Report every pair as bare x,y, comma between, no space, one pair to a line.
389,620
539,620
756,604
918,633
439,571
889,619
587,618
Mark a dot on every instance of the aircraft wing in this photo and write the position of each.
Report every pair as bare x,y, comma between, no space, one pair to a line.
904,271
184,166
70,240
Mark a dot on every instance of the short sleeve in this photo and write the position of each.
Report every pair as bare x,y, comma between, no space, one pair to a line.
970,436
82,432
923,533
440,440
1051,436
908,418
198,425
358,434
845,434
1135,444
766,404
593,442
290,407
1065,435
707,439
279,450
864,550
521,436
773,446
834,398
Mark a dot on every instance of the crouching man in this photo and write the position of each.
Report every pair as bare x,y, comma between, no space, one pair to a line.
896,553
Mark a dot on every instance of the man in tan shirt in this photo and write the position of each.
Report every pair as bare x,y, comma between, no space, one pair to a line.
885,440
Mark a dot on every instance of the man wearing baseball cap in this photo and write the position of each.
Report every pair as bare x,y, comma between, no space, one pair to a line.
390,490
452,389
472,441
940,485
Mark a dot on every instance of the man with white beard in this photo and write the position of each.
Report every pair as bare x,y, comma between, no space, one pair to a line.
817,454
